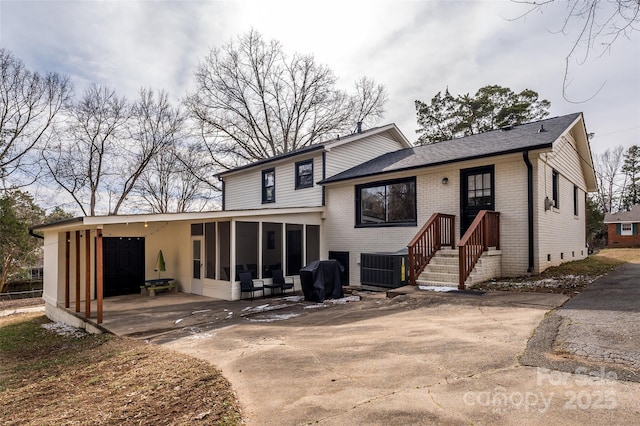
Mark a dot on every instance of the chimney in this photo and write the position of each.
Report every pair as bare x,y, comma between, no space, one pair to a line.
359,126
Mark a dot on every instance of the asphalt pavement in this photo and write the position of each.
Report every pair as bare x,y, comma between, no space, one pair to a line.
596,330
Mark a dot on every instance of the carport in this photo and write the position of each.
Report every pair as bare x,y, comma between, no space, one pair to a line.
89,258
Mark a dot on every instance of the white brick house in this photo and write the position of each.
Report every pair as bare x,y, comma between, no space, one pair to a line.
365,193
548,162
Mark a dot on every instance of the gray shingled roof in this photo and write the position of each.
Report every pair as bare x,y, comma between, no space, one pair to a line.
305,149
517,139
630,216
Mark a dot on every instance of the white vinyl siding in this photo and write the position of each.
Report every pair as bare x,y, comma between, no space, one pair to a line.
559,235
286,193
243,190
351,154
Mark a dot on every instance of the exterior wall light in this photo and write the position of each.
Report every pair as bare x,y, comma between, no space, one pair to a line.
445,180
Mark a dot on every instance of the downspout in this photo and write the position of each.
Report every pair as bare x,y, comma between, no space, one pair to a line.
324,175
525,156
223,191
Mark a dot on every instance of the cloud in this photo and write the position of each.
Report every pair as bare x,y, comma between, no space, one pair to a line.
415,48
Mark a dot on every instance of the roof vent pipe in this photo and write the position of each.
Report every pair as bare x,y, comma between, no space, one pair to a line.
359,127
542,129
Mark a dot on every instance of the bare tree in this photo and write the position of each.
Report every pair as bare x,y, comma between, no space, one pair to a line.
600,23
608,173
108,143
171,182
86,153
253,101
155,128
29,103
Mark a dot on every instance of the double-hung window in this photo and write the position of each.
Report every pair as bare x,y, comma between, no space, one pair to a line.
304,174
268,186
626,229
386,203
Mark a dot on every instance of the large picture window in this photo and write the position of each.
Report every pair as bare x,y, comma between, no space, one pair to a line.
388,203
268,186
304,174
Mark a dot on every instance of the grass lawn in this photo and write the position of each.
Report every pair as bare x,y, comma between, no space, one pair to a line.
62,376
568,278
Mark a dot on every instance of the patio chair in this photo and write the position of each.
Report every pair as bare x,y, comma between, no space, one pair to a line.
281,280
247,285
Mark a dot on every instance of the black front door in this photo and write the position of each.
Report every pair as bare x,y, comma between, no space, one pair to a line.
477,193
123,265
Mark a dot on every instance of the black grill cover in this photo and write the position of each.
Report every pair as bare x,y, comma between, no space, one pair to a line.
321,279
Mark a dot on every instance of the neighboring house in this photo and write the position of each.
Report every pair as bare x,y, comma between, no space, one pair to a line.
369,192
623,229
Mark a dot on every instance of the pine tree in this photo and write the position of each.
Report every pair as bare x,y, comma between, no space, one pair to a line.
631,169
491,108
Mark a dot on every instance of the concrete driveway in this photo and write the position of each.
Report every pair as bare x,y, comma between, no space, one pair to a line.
415,359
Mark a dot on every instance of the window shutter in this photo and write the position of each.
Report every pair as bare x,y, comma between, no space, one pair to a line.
635,229
618,229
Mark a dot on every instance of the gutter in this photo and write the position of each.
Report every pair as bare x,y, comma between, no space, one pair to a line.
525,156
35,235
337,178
58,223
301,151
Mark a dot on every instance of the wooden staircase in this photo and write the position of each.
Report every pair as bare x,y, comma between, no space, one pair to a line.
477,259
444,269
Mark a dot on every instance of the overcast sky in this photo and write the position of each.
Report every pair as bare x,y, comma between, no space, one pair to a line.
414,48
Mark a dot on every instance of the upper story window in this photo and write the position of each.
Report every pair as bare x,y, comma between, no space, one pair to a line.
387,203
304,174
269,186
555,181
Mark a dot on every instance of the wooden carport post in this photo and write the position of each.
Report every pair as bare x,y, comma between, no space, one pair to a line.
87,273
67,249
99,273
77,271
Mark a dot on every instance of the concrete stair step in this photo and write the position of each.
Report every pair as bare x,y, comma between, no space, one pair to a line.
442,277
449,260
436,283
447,253
446,268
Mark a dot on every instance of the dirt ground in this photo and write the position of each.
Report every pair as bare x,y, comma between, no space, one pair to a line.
569,278
60,375
20,303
